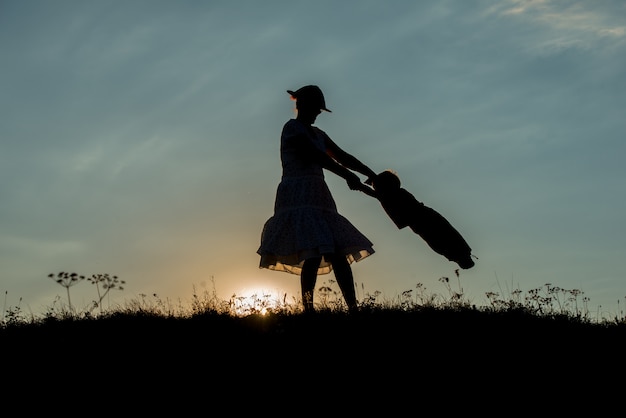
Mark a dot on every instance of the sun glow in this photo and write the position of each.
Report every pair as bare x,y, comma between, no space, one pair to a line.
258,301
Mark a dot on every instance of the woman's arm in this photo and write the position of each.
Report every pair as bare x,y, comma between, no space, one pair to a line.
335,160
347,160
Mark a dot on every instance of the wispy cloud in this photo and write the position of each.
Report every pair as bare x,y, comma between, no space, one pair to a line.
573,17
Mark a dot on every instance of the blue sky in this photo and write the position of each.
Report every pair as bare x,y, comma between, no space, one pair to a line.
140,139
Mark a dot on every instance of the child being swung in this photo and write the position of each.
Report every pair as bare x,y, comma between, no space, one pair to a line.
405,210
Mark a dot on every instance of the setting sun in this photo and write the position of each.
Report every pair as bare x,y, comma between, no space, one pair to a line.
257,300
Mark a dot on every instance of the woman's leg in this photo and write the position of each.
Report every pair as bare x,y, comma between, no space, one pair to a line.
308,277
345,279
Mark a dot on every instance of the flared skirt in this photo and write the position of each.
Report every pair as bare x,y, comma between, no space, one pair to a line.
306,224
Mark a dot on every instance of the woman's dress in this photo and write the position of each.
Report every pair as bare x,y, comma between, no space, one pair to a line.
306,223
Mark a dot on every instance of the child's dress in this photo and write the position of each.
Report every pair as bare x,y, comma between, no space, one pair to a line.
306,223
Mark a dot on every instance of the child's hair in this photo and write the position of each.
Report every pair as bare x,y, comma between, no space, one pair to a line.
386,180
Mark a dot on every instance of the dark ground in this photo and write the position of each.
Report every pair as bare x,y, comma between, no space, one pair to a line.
374,363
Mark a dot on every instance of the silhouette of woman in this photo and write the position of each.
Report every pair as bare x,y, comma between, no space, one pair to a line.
306,235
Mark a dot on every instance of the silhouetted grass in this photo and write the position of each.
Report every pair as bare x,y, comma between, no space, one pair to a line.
545,305
546,315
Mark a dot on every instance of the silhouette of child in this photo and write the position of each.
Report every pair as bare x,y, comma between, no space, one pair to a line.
405,210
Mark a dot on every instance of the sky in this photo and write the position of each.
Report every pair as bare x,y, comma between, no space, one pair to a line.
141,139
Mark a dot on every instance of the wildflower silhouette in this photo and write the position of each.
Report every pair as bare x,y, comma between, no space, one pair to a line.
67,280
104,283
108,283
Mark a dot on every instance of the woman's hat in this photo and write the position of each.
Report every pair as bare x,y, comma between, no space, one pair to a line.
310,94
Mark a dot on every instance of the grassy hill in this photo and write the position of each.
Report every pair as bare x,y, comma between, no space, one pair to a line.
386,359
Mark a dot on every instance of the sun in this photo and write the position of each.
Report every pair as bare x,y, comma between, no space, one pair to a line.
258,300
